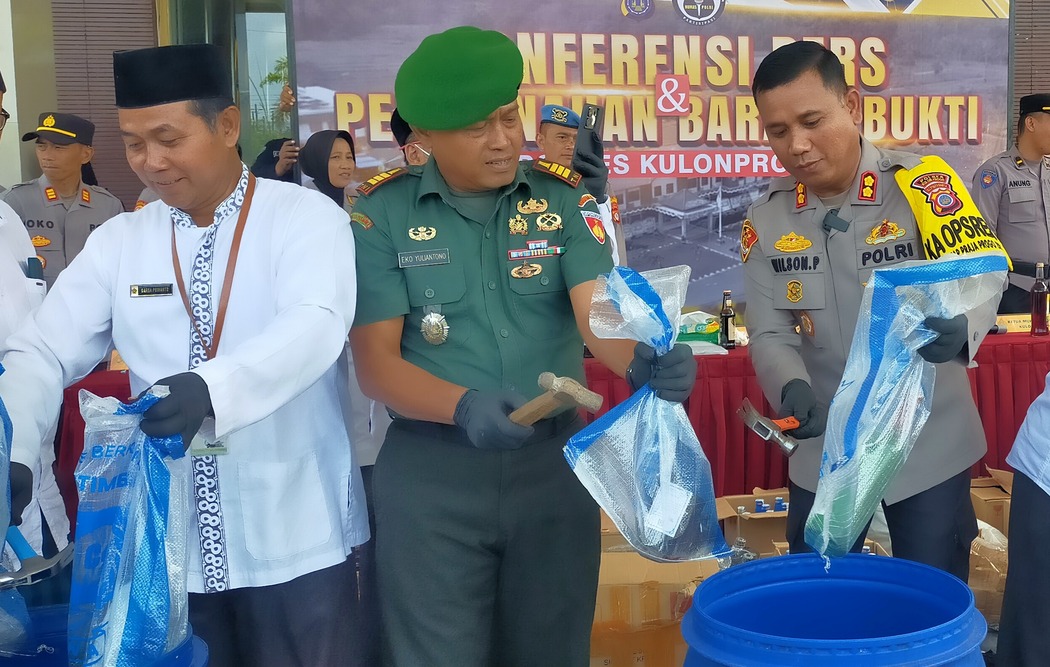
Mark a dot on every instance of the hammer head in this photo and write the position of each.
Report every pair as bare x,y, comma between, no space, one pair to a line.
570,392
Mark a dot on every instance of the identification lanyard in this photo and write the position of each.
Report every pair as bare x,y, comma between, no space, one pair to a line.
227,281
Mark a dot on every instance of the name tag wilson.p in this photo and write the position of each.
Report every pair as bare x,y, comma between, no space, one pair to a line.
156,289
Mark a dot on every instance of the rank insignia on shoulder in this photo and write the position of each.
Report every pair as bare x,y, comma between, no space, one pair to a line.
41,241
884,232
801,198
51,194
85,196
421,233
519,225
869,186
363,220
1019,161
988,178
558,171
371,184
794,291
532,206
139,204
748,238
792,242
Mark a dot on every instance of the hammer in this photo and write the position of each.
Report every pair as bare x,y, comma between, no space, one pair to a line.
559,393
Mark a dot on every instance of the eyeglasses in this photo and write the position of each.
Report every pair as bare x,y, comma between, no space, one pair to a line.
4,117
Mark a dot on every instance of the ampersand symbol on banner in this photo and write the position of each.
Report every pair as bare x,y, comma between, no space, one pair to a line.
675,103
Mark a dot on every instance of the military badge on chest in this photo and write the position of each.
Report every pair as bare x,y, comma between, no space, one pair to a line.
434,327
421,233
519,226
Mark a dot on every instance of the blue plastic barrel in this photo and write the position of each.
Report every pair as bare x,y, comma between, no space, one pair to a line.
865,611
49,642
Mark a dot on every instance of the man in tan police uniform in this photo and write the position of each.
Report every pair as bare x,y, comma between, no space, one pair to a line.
809,244
58,209
1011,189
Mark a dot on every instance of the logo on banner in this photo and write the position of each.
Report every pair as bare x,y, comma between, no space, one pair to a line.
700,12
636,9
672,95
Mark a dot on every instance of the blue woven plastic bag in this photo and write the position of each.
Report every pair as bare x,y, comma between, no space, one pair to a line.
128,605
886,391
641,461
14,618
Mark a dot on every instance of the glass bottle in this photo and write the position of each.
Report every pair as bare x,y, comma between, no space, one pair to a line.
727,322
1039,301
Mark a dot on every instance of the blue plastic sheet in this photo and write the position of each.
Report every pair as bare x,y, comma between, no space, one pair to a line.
128,600
641,461
886,392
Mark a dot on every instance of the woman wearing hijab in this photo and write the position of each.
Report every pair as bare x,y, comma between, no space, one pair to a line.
328,158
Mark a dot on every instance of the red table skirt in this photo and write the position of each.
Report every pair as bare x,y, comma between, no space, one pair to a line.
1011,373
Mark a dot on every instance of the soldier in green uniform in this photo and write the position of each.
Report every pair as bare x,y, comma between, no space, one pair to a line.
58,209
476,275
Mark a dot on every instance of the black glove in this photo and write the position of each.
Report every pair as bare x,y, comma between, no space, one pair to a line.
671,376
589,163
485,419
949,344
181,412
21,491
798,400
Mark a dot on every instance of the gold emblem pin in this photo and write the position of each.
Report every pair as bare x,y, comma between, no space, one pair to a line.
421,233
526,270
794,291
49,121
519,225
884,232
41,241
792,243
532,206
548,222
434,328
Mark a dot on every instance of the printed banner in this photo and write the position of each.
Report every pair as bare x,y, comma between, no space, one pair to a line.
684,144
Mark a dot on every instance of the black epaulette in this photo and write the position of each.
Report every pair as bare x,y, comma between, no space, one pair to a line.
557,171
371,184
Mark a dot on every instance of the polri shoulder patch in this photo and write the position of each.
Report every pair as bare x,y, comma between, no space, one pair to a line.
371,184
557,171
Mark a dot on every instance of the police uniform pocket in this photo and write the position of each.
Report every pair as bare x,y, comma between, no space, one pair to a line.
798,292
284,508
436,284
1024,206
536,276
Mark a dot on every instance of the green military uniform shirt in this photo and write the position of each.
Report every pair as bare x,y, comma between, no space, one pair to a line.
502,286
58,233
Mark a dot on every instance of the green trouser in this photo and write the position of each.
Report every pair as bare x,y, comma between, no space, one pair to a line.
484,557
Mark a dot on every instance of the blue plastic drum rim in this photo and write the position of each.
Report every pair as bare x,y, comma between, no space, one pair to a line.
728,644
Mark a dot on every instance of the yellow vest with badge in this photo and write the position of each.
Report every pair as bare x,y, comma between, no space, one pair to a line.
945,214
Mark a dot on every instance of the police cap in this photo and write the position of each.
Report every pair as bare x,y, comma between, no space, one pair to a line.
1033,103
458,77
559,115
62,128
166,74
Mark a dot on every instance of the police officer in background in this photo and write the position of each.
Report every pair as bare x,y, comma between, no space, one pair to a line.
477,275
556,137
807,250
1012,190
416,154
59,209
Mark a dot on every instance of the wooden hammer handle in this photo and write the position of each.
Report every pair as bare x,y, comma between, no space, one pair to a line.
536,409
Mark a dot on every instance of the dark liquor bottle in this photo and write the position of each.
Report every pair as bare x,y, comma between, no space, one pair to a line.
1039,301
727,328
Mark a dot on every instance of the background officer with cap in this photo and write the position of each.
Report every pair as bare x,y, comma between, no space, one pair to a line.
58,209
253,362
808,245
556,137
477,275
1012,190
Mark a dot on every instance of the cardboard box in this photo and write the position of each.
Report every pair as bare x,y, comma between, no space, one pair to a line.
639,609
759,530
875,547
991,498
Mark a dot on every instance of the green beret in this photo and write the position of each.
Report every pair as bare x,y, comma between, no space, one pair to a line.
458,77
